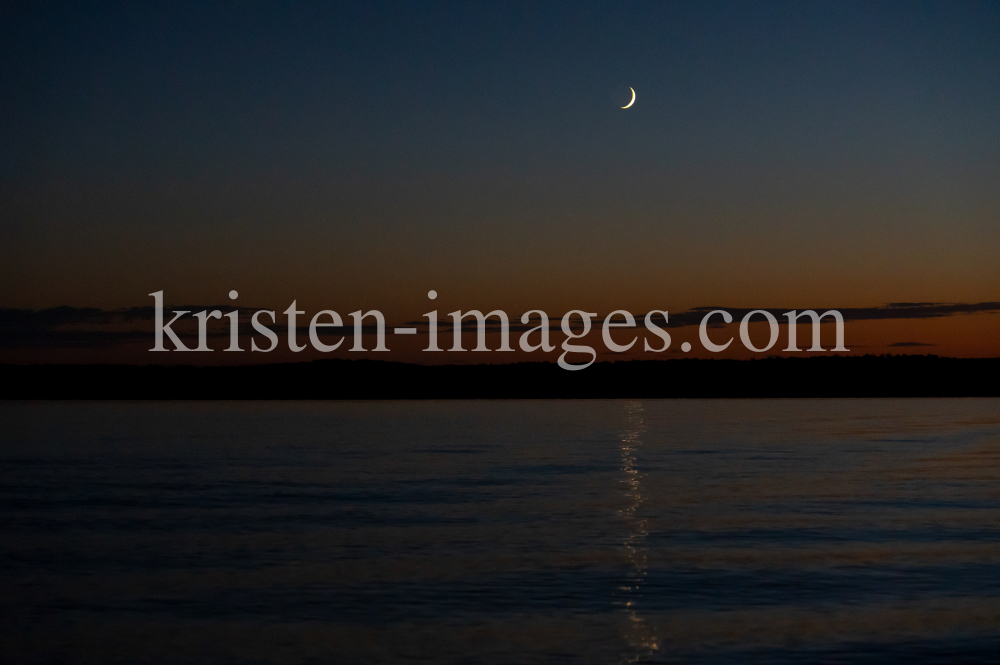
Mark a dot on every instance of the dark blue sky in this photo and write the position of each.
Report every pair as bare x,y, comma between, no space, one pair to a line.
790,151
189,90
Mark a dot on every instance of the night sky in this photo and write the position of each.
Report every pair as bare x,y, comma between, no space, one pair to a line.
356,155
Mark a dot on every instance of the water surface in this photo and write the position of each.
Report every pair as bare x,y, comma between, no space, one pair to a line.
494,532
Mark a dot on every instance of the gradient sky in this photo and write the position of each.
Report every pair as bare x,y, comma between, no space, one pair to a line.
354,155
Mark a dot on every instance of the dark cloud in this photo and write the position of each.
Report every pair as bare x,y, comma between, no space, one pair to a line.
67,339
693,317
925,310
897,310
28,319
74,327
70,327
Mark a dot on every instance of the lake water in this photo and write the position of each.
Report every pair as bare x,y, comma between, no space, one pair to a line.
798,531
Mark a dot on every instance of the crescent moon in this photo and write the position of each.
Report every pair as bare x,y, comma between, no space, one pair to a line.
633,99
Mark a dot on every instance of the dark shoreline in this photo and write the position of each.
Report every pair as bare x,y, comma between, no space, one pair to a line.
859,376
